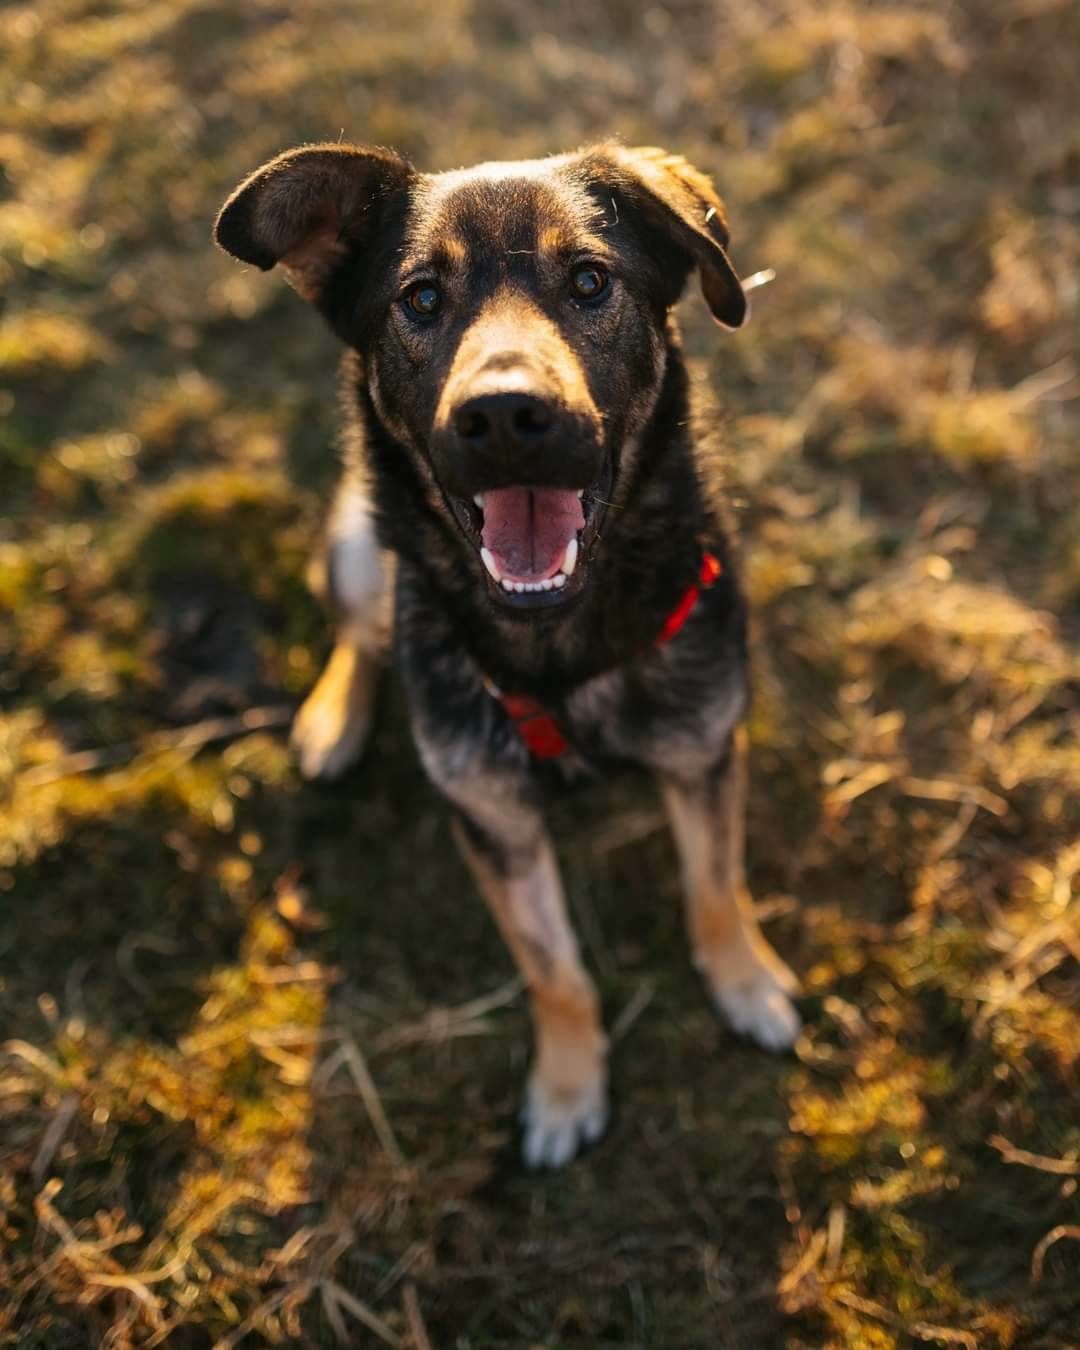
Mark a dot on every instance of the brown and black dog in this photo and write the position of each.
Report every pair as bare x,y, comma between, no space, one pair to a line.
523,480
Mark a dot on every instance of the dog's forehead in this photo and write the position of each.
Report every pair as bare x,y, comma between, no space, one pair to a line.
505,205
496,170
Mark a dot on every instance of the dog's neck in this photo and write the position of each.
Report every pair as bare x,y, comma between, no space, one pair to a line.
648,552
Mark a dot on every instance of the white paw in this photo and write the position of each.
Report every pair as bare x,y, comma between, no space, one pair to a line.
760,1009
557,1124
324,743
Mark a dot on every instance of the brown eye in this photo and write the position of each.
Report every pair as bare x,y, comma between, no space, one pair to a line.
424,299
589,283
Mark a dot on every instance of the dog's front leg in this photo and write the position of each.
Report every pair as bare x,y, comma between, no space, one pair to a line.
745,976
566,1100
332,725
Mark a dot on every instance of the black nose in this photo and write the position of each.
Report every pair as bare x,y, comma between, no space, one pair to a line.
497,423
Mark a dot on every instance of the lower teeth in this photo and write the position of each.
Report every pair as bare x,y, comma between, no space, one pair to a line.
556,583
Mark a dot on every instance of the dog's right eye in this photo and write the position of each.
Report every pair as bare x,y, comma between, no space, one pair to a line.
423,299
589,283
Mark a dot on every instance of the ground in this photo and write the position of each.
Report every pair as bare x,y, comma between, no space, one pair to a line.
262,1048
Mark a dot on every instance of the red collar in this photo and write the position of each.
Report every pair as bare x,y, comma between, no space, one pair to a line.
539,730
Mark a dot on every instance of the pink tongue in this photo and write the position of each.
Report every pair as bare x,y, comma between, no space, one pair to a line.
528,529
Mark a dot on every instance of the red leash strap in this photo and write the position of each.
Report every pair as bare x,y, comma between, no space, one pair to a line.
539,730
710,570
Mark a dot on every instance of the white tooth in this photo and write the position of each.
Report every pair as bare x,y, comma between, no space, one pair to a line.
547,583
559,581
580,493
488,559
519,586
569,561
479,500
507,585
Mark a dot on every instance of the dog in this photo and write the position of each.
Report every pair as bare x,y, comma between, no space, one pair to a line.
524,489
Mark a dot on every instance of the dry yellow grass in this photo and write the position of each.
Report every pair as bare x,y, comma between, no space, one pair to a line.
258,1068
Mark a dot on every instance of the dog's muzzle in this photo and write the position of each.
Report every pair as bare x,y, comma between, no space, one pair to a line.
524,476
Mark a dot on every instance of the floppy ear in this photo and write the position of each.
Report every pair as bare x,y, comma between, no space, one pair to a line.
681,202
307,208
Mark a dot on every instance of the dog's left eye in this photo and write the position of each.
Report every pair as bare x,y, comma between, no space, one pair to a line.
423,299
589,283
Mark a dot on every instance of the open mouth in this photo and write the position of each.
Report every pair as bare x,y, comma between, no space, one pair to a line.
533,541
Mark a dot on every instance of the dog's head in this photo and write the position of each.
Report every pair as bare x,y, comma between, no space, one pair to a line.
511,319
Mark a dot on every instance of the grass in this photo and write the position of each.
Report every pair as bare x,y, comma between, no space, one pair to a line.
261,1045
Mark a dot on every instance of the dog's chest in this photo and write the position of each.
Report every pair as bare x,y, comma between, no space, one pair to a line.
655,717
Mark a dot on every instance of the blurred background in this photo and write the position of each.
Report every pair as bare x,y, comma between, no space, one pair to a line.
262,1047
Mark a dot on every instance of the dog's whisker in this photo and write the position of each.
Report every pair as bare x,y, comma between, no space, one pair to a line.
762,278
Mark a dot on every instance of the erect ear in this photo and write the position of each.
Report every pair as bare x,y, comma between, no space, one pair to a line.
307,208
681,202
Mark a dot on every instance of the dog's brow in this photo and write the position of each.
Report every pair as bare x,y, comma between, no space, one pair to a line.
554,239
561,244
450,252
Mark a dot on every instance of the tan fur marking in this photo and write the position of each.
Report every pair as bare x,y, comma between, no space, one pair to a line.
453,250
531,915
333,723
748,979
351,572
570,1046
553,239
513,325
